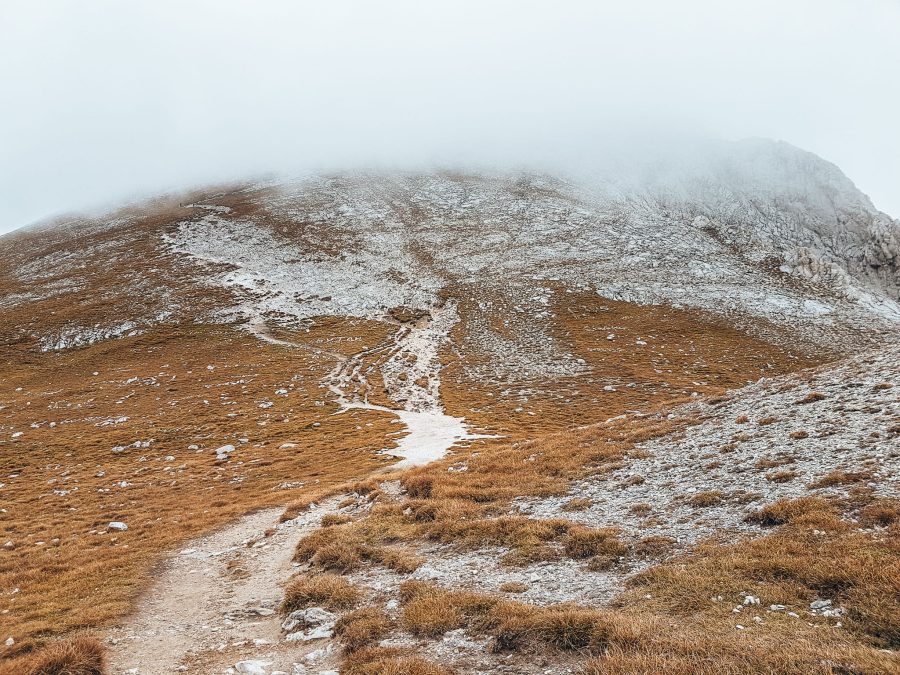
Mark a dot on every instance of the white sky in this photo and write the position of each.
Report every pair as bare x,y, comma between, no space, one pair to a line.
101,100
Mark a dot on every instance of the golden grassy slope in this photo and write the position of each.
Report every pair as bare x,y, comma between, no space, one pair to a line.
195,386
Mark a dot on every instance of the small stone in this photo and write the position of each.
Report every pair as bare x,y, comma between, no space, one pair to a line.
315,616
9,642
317,633
118,526
820,604
252,667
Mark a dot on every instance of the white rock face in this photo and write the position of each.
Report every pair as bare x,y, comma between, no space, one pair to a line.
118,526
756,228
750,230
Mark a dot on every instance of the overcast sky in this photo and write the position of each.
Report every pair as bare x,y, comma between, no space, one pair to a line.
104,100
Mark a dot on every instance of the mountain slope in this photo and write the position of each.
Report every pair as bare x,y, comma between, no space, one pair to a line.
179,363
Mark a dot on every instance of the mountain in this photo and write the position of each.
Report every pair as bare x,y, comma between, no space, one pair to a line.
590,378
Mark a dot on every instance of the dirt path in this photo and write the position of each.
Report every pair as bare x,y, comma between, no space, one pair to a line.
215,604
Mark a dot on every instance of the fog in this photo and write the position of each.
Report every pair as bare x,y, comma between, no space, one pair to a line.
102,101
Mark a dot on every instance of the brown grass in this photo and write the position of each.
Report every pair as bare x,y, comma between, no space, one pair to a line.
631,639
576,504
811,397
707,499
79,655
327,590
69,475
362,627
880,513
782,476
793,566
513,587
585,542
790,510
841,477
335,519
389,661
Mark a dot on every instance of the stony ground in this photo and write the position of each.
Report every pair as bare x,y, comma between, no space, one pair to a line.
697,484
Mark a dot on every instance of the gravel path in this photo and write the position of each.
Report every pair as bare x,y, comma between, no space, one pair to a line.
214,604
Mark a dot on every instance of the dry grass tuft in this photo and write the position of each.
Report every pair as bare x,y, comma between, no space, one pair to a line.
653,546
337,556
418,485
430,612
880,513
707,499
782,476
811,397
389,661
398,560
577,504
80,655
362,627
327,590
789,510
585,542
335,519
513,587
841,477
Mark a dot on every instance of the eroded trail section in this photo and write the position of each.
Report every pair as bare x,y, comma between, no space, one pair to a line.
214,604
410,369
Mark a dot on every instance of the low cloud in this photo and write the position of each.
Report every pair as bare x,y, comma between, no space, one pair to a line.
104,100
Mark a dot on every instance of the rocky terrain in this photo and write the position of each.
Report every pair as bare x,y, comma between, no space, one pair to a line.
592,381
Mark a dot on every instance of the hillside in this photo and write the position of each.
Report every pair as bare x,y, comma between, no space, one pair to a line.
646,421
